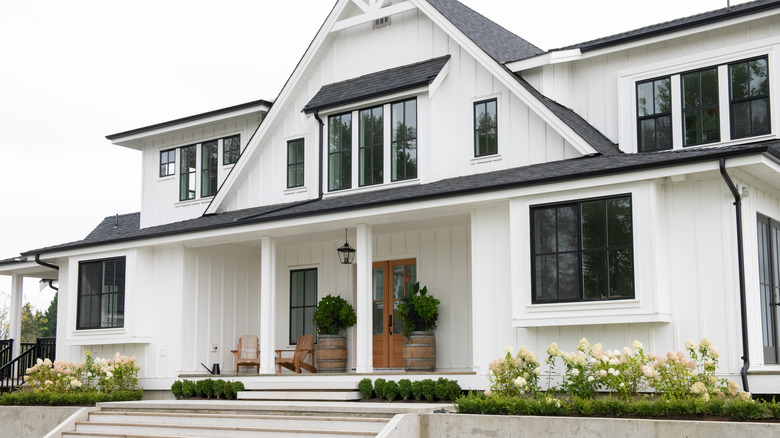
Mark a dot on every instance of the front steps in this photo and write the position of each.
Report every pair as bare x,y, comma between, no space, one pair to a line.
222,421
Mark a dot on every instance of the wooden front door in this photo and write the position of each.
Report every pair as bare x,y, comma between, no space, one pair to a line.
391,282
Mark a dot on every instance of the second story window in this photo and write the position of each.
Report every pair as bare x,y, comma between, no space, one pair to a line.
749,89
654,111
485,128
295,160
701,115
371,147
167,162
187,171
208,168
403,153
340,152
231,150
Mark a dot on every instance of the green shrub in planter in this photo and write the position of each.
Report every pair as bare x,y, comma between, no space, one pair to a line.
332,315
391,390
379,387
429,390
417,390
366,388
405,388
219,388
176,389
418,311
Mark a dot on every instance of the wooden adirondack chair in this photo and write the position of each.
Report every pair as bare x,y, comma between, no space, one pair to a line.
248,352
303,349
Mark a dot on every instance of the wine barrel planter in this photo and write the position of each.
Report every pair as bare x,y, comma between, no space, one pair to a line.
331,354
420,352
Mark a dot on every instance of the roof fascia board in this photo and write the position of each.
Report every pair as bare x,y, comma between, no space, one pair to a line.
505,76
370,16
251,149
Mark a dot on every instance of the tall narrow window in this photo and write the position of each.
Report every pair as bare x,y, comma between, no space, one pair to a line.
485,128
295,154
654,114
101,294
167,162
701,115
187,171
749,84
582,251
231,149
208,169
371,146
404,140
303,301
769,285
340,152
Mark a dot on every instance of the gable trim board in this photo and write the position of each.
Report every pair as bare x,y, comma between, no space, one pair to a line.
506,77
572,170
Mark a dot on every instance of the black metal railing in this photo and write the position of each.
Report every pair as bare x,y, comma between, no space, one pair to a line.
12,373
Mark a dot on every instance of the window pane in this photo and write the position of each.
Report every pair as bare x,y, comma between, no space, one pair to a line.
594,275
593,221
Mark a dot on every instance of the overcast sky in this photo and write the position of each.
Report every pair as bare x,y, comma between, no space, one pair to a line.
72,72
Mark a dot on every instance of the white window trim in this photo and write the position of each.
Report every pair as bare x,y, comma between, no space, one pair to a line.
652,300
628,78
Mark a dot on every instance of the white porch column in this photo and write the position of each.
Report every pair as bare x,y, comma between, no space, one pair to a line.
15,312
363,329
267,305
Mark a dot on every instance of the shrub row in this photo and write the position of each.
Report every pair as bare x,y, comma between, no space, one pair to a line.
645,407
31,397
429,390
206,388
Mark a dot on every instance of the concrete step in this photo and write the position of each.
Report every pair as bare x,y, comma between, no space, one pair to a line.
367,424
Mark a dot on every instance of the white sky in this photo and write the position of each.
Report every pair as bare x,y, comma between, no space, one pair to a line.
72,72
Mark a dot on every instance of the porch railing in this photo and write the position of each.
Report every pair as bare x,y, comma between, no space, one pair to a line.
12,373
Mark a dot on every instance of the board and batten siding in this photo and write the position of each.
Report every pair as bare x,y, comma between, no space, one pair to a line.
445,118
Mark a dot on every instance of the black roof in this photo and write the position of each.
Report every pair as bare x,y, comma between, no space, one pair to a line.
377,84
677,25
122,228
500,44
190,118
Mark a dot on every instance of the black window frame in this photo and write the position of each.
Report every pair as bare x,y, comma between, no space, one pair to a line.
230,154
94,300
657,116
482,133
295,162
209,168
305,306
167,163
579,252
371,149
751,99
698,109
340,155
407,143
188,172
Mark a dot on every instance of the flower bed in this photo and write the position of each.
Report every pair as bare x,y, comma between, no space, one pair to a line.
78,383
683,385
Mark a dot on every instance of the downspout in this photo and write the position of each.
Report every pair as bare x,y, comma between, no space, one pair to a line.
319,176
741,266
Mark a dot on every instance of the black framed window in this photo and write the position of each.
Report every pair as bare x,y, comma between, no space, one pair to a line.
485,128
208,168
295,160
404,140
654,114
340,152
101,294
187,171
701,113
303,301
231,150
749,97
582,250
371,146
167,162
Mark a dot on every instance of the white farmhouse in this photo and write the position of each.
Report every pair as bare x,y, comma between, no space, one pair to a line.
623,188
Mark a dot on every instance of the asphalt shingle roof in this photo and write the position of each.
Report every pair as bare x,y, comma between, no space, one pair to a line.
677,25
115,229
500,44
376,84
